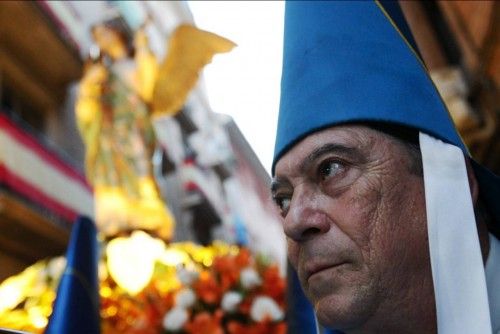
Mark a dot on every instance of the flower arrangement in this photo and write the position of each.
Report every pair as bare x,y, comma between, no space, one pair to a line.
237,294
217,289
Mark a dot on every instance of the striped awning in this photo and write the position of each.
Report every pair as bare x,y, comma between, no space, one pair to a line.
30,169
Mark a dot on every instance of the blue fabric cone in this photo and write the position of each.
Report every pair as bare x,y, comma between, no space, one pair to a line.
76,309
346,62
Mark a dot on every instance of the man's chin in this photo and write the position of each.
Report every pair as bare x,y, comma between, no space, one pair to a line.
341,312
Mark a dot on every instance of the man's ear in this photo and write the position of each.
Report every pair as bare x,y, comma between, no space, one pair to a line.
473,185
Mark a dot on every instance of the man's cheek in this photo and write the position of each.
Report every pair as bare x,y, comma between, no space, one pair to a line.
293,252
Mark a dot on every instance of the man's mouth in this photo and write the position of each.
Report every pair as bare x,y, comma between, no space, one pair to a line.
317,269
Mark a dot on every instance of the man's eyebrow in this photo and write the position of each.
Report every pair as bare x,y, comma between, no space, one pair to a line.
342,150
349,152
276,184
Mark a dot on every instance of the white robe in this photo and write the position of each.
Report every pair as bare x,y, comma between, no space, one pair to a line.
492,271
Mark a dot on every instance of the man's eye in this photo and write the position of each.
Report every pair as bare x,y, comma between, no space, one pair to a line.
329,168
283,204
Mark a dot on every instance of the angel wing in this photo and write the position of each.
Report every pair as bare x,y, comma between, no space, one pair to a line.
189,50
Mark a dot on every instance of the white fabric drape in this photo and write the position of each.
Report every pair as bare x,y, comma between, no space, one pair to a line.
457,266
492,270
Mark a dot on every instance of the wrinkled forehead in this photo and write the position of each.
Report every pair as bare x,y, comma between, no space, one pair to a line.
354,134
342,137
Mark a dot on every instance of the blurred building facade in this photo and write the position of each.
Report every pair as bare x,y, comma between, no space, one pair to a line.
207,172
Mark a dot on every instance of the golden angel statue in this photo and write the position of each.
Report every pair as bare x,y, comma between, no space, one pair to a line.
118,97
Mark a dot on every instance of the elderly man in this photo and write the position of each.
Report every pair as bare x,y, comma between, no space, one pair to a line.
390,228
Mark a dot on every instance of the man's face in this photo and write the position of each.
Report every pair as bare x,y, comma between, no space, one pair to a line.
354,216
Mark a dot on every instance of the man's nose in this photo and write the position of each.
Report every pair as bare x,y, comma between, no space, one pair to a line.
306,217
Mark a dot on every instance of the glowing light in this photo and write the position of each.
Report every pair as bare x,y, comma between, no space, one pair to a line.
111,208
173,257
14,289
167,285
105,291
204,255
39,321
37,318
10,296
131,260
207,262
111,311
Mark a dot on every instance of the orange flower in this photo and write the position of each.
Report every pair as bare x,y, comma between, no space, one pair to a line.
228,272
207,288
243,259
274,285
205,323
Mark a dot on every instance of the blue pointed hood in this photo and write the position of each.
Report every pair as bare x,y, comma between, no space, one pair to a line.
353,61
76,308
